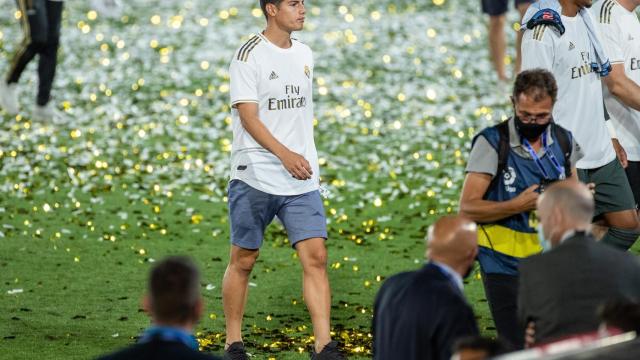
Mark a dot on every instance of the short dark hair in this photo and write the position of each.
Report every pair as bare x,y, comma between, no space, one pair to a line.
624,315
493,347
263,5
174,288
538,83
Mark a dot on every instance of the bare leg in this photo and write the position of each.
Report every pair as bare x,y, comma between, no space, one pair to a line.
497,44
522,8
315,286
626,219
234,290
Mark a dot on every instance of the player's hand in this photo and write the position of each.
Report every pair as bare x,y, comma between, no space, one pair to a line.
296,165
620,152
528,198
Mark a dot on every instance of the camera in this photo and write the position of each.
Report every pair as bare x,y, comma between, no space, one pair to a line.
544,183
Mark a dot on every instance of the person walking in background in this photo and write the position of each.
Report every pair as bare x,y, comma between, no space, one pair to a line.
497,10
418,315
175,305
41,20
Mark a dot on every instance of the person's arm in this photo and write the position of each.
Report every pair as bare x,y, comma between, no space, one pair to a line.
537,48
619,85
473,206
296,164
623,88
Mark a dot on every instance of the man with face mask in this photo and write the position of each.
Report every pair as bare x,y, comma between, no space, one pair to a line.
509,165
418,315
562,289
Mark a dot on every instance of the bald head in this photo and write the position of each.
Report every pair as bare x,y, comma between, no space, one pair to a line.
453,240
565,205
573,198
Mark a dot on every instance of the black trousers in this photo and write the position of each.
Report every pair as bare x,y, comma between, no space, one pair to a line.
502,295
41,25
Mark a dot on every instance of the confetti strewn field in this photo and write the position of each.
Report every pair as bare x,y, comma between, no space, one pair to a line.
136,167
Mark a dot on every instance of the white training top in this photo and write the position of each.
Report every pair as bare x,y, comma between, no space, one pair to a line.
579,107
620,33
280,82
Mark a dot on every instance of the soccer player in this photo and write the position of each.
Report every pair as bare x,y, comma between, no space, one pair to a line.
497,9
41,25
274,169
561,36
620,31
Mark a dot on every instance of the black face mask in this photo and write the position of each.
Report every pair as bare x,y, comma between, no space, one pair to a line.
529,131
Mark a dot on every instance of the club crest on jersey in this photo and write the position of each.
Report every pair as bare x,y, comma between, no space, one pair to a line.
307,71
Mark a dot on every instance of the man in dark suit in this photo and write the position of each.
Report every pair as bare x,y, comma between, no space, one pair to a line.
175,305
561,289
420,314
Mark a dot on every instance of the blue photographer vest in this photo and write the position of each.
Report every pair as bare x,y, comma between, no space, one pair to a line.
504,242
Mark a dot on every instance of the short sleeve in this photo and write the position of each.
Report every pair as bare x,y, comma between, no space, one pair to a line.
611,35
483,158
537,48
576,152
243,82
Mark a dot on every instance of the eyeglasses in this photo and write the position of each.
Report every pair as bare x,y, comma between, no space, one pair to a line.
533,118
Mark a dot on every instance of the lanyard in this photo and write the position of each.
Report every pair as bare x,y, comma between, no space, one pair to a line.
538,162
171,334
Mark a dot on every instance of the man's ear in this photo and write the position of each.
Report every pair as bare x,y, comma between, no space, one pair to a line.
272,9
199,309
146,304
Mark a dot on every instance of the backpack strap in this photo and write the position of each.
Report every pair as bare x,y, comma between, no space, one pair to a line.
564,140
503,151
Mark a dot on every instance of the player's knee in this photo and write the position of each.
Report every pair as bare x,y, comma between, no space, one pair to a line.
244,263
317,260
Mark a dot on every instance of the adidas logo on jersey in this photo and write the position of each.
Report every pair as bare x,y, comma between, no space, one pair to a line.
571,45
631,37
273,76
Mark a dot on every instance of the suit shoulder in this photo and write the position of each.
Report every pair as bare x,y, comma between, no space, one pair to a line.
247,49
130,352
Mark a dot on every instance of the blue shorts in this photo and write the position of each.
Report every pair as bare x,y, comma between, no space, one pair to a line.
500,7
251,211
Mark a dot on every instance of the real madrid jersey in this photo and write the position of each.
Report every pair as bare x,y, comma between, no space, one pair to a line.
280,82
579,107
620,31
